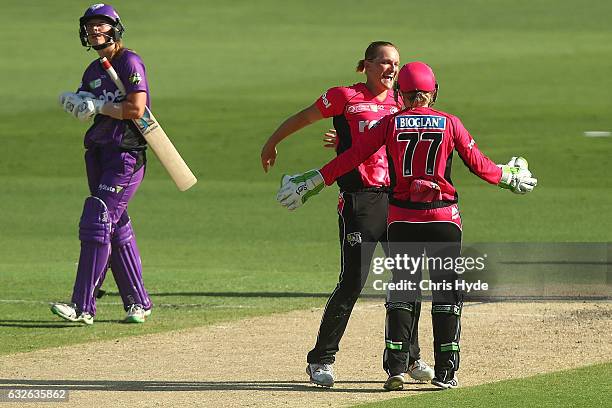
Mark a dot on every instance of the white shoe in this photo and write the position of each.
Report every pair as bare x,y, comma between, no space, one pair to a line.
147,312
394,383
136,314
321,374
68,312
420,371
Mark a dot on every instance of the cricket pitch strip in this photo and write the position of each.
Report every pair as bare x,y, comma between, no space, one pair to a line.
260,362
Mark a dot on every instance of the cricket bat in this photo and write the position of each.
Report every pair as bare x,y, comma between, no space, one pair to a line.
155,136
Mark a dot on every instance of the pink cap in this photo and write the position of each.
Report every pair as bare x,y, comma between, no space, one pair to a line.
416,76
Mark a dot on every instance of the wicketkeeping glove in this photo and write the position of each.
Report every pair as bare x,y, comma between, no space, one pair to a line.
516,176
296,190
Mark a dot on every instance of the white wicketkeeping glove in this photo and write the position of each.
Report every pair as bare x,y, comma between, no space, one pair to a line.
88,108
516,176
69,101
519,162
296,190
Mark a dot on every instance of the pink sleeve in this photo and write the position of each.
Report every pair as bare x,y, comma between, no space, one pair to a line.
473,158
362,148
332,102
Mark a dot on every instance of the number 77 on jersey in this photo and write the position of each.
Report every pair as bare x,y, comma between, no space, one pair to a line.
155,136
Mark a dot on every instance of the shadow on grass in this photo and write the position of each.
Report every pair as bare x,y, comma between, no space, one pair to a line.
426,297
248,294
47,324
167,386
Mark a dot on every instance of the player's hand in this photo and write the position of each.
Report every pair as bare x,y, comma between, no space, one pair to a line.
268,156
88,108
296,190
516,176
69,101
330,139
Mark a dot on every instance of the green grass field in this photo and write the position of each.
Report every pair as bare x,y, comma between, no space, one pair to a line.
525,77
583,387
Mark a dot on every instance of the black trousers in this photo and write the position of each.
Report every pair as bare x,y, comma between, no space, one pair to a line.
362,220
436,241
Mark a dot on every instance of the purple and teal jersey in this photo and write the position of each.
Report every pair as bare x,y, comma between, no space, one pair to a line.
107,130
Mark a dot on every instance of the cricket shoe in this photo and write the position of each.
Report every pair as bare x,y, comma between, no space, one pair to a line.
136,314
452,383
321,374
394,383
420,371
68,312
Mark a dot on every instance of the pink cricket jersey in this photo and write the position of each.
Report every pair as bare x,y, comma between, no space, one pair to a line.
420,144
354,110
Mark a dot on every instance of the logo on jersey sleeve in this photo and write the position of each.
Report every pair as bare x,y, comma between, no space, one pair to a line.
135,78
325,101
420,122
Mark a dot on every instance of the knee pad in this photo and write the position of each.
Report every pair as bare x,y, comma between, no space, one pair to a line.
123,232
95,225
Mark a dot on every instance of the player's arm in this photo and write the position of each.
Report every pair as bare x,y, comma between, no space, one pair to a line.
296,190
132,74
291,125
474,159
84,106
363,147
133,107
514,176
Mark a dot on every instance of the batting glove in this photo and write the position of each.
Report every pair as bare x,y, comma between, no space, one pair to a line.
88,108
85,94
69,101
516,176
296,190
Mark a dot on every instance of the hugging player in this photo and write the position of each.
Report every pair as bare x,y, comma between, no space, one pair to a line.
363,199
423,208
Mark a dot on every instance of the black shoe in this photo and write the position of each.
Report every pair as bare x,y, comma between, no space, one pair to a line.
452,383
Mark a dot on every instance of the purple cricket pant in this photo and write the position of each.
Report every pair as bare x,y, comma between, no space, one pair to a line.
105,229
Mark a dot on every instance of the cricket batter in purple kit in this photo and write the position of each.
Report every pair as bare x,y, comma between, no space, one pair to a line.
115,163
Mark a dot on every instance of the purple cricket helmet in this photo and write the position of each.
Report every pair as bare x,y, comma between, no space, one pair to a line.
106,12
